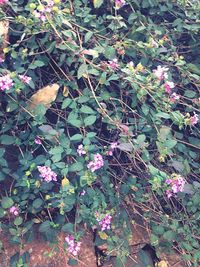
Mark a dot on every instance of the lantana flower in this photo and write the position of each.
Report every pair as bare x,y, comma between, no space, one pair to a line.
73,246
47,174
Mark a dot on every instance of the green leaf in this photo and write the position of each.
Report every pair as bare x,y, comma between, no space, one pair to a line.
7,139
6,202
97,3
75,167
76,137
37,203
72,262
82,70
90,120
87,110
169,235
18,221
68,227
163,115
66,103
171,143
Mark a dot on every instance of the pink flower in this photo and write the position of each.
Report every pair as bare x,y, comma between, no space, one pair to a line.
1,60
14,210
47,174
38,140
25,79
174,97
73,246
2,2
160,73
194,119
83,193
119,3
113,64
5,82
168,87
105,222
80,150
97,163
176,183
114,145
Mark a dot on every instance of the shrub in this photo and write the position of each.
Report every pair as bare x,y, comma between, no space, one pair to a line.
114,122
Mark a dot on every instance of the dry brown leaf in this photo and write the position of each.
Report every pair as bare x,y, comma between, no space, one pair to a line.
44,96
4,28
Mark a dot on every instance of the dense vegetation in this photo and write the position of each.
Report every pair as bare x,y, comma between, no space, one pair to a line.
99,113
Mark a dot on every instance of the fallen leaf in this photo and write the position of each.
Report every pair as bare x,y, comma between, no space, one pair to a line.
65,91
4,28
64,182
103,235
44,96
162,264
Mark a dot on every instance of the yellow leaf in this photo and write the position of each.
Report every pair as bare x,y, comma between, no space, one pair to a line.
162,264
97,3
44,96
103,235
4,28
65,91
65,181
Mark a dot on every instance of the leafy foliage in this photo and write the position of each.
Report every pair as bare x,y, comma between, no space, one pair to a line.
103,62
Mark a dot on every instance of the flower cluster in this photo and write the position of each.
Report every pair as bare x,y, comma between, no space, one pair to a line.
194,119
5,82
113,64
174,97
80,150
14,210
161,74
176,183
47,174
74,246
44,11
97,163
2,2
113,146
105,222
25,79
119,3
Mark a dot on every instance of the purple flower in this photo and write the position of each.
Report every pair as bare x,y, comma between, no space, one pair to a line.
5,82
194,119
2,2
113,64
174,97
114,145
161,73
168,87
105,222
119,3
82,193
1,60
176,184
97,163
38,140
25,79
14,210
80,150
73,246
47,174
